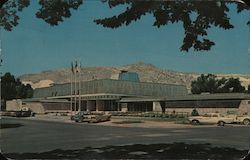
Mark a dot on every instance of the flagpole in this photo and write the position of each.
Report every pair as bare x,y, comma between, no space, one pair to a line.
75,87
71,88
79,72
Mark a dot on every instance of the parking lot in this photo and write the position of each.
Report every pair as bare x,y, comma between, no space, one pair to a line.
29,138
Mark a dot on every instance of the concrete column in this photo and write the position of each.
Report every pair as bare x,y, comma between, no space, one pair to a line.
124,107
91,106
157,107
244,107
100,105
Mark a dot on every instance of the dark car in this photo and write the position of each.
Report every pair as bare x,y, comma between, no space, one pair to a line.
20,113
24,113
79,114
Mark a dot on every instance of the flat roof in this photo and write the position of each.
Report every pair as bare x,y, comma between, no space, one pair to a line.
211,96
192,97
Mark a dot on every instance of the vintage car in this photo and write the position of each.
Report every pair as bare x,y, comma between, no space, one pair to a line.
90,117
77,115
238,118
243,119
24,112
211,118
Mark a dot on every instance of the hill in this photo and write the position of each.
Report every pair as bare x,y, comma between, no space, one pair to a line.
147,73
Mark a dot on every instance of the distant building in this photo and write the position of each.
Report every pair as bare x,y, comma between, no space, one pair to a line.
124,92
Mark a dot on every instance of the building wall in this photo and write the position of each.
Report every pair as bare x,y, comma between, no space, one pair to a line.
244,107
114,87
56,106
230,103
124,107
201,111
100,105
221,106
140,107
14,105
91,105
36,107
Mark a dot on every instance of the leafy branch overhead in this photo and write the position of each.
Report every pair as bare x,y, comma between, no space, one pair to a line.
8,13
196,17
53,11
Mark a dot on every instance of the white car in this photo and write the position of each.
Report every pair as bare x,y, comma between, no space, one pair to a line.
211,118
244,119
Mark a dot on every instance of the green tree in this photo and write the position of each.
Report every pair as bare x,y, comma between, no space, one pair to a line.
196,17
210,83
204,83
13,88
234,85
8,86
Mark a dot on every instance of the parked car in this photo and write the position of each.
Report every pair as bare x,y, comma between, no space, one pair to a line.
81,113
89,117
28,113
24,112
211,118
240,119
244,119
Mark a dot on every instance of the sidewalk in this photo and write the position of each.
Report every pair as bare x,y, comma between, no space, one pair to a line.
49,117
146,123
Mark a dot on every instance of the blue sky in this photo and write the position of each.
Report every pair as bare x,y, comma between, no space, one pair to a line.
34,46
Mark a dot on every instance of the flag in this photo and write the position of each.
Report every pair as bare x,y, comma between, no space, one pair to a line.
77,67
72,68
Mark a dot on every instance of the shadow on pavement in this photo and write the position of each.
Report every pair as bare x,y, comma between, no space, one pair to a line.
140,151
10,125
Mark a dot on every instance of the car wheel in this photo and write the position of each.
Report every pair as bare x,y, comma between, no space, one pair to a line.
195,122
246,122
221,123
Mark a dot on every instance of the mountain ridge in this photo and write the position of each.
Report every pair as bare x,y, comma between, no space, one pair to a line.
146,72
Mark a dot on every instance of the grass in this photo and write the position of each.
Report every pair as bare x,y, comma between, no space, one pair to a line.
178,117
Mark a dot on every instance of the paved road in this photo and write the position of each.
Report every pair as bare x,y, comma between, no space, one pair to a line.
26,136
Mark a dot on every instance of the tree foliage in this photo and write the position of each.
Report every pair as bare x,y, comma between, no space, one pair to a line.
211,84
14,89
8,13
196,17
53,11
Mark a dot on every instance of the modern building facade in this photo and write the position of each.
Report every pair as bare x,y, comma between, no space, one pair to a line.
125,93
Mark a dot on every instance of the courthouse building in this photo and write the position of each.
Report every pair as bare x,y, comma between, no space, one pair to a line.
125,93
